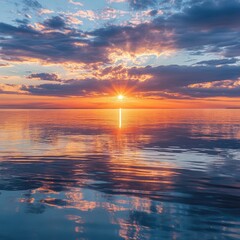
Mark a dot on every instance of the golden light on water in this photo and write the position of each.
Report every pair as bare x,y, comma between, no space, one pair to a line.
120,118
120,98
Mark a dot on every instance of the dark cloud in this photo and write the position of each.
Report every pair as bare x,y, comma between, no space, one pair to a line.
22,21
8,30
165,81
78,87
233,51
199,28
178,82
142,4
210,26
184,81
211,14
44,76
140,38
55,22
52,46
73,89
175,76
153,13
212,92
77,46
216,62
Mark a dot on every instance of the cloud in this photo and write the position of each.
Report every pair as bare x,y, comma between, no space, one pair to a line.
106,13
216,62
7,29
227,88
211,14
166,82
55,22
10,89
63,90
196,81
174,77
142,4
233,50
74,87
2,65
75,3
25,43
22,21
200,27
45,11
153,13
143,38
117,1
45,76
173,81
71,45
208,26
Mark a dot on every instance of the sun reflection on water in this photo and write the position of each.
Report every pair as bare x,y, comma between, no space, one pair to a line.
119,118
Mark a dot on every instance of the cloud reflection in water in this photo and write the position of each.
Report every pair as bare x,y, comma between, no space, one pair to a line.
164,173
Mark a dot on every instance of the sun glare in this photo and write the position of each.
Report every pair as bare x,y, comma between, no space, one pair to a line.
120,97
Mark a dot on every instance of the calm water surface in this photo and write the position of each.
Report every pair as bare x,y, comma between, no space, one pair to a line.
119,174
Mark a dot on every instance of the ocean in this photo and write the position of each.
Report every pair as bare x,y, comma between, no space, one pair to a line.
120,174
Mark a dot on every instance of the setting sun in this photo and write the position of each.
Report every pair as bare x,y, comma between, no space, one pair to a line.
120,97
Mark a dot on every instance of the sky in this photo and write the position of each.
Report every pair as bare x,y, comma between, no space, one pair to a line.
83,53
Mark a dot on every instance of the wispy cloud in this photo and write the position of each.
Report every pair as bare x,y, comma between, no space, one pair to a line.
75,3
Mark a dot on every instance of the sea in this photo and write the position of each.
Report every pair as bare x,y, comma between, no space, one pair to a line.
120,174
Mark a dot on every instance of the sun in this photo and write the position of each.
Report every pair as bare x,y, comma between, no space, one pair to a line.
120,97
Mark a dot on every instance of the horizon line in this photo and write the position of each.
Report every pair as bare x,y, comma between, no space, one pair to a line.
40,108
